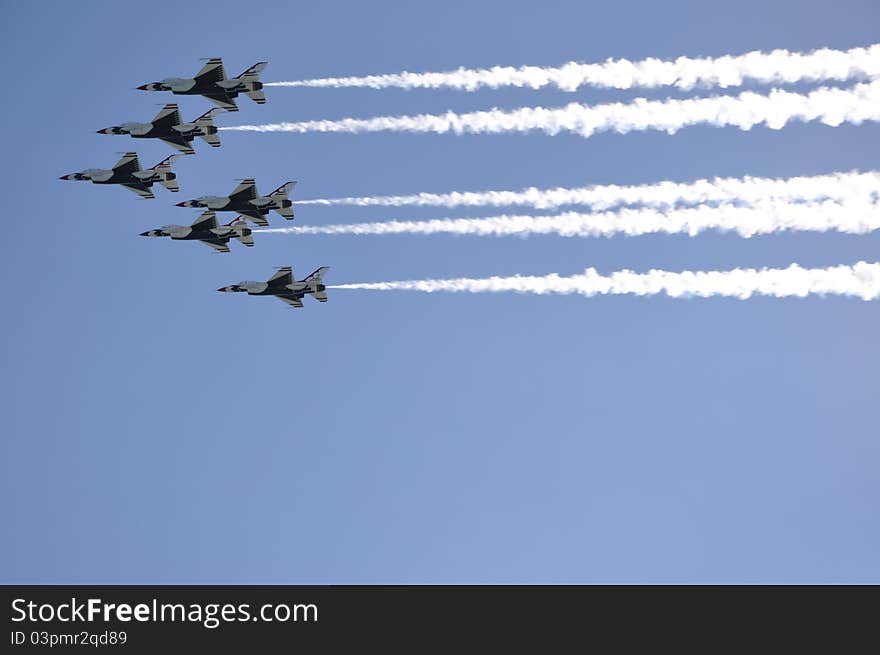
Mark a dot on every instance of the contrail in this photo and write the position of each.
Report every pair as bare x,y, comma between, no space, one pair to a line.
861,280
831,106
776,67
763,218
835,186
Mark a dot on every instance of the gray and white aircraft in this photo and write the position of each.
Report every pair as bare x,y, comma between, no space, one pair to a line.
127,172
168,127
206,230
246,201
284,286
211,82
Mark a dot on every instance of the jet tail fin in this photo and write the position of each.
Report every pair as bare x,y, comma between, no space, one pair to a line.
316,287
256,219
208,130
253,73
242,232
171,184
258,96
211,139
167,178
283,204
317,275
208,117
251,80
283,190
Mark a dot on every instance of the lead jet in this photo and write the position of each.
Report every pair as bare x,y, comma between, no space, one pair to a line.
211,82
127,172
168,127
284,286
246,201
206,230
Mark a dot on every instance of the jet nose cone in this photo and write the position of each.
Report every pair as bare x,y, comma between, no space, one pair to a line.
66,177
145,234
185,203
144,87
223,289
106,130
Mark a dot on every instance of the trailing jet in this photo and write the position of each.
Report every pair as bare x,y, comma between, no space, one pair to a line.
284,286
128,173
211,82
168,127
206,230
246,201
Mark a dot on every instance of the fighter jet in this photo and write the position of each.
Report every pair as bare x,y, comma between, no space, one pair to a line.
246,201
284,286
168,127
128,173
206,230
211,82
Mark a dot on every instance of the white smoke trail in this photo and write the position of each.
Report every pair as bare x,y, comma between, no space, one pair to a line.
835,186
861,280
831,106
776,67
763,218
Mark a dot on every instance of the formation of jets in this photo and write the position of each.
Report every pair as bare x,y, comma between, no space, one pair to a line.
210,82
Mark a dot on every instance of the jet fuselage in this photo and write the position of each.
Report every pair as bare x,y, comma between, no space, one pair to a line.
186,131
265,289
189,87
106,176
223,204
181,232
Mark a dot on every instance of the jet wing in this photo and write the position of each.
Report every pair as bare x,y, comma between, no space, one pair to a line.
181,144
212,71
206,221
217,245
245,191
282,278
222,100
293,301
168,117
128,164
142,191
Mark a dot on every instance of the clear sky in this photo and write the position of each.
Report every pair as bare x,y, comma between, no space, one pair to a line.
156,431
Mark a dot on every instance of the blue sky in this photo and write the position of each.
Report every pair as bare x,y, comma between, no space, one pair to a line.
155,431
